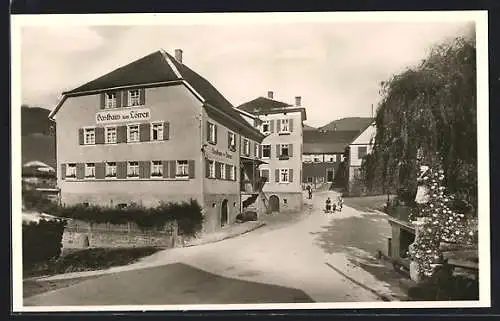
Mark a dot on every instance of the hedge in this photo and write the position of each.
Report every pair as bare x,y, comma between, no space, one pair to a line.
42,241
188,215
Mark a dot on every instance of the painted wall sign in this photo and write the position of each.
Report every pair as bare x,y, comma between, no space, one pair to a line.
124,115
219,153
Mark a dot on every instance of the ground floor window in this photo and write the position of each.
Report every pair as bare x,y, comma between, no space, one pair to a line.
111,169
284,175
133,169
156,169
71,170
90,170
182,168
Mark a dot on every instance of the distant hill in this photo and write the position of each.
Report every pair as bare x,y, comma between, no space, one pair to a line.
38,140
347,124
307,128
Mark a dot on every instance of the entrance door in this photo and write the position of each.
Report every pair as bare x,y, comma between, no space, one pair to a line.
274,203
223,213
329,175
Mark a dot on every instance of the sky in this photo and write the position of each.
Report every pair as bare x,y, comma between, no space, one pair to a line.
335,67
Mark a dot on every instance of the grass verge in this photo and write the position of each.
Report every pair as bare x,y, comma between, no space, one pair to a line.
366,203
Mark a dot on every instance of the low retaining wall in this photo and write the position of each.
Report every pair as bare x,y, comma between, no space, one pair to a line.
79,234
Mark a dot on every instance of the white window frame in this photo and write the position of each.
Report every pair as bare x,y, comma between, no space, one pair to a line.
133,100
89,170
284,125
246,146
211,169
287,148
70,171
181,168
92,137
211,133
232,138
107,129
257,150
107,170
132,169
233,172
110,102
222,168
156,169
138,133
266,122
287,172
266,145
160,130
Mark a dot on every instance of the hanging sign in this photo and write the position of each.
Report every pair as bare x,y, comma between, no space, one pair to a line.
123,115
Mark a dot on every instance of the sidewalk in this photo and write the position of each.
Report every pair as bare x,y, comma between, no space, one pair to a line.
227,232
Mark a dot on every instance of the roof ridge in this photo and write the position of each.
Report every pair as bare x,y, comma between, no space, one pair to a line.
165,56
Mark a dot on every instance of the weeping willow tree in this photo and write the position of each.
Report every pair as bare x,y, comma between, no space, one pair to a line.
429,109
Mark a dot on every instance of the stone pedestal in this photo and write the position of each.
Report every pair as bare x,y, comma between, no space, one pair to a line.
415,275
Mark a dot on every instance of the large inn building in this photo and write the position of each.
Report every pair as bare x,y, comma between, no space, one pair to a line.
156,131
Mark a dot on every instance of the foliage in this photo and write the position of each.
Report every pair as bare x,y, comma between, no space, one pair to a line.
188,215
430,108
34,200
439,222
91,259
42,241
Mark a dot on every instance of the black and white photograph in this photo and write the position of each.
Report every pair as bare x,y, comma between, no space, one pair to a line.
233,161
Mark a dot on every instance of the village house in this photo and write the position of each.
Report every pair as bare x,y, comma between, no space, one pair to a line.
358,148
154,131
281,150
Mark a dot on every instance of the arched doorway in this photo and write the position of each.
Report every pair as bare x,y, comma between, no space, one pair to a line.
223,213
274,203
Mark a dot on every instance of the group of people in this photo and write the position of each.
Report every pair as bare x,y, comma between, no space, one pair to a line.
329,206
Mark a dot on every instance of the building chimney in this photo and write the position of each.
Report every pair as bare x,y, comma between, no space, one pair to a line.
178,55
298,101
270,95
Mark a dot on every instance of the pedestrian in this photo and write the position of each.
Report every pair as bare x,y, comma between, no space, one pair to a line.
340,202
310,193
328,206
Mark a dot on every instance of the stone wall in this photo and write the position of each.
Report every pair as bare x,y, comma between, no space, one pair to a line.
79,234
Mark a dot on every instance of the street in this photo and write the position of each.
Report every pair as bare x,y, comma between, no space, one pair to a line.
306,260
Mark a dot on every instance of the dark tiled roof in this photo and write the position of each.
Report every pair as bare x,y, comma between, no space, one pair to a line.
316,142
155,68
262,104
149,69
348,124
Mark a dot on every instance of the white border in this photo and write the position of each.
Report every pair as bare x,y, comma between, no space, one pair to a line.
479,17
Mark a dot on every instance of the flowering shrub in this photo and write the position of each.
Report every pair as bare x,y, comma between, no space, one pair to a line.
439,222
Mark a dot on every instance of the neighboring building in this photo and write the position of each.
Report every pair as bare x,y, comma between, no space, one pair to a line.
347,124
154,131
360,146
323,155
282,125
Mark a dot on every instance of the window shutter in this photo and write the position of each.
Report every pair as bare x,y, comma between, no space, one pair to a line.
271,126
125,98
121,169
142,96
290,124
166,130
165,168
215,138
277,175
99,135
172,167
103,100
144,169
191,168
278,154
208,131
80,136
63,171
290,175
118,99
121,134
265,173
80,170
100,170
207,167
145,132
290,150
228,172
217,170
229,140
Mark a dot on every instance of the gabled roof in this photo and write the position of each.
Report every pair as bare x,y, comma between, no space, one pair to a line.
317,142
348,124
262,104
161,67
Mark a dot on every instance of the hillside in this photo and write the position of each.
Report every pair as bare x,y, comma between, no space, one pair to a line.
347,124
38,140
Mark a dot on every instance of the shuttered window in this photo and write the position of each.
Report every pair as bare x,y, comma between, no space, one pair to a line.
71,170
110,170
90,170
89,136
156,169
182,168
110,135
133,133
132,169
157,131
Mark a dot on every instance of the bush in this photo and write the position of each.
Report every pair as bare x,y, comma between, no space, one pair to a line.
34,200
42,241
188,215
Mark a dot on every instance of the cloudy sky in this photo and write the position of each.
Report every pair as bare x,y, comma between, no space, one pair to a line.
335,67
